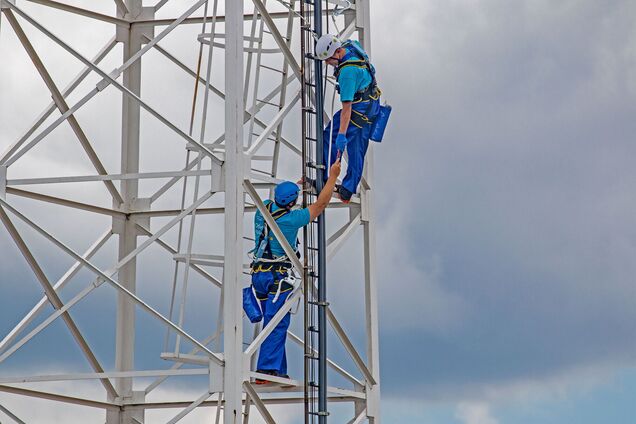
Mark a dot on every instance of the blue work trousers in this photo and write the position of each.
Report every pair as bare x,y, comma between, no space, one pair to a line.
358,141
272,356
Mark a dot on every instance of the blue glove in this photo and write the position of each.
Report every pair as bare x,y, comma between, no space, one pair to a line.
341,142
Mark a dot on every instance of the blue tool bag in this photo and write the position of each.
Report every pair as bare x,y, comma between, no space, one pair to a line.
251,305
379,124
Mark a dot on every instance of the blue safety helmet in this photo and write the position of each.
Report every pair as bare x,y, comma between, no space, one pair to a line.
285,193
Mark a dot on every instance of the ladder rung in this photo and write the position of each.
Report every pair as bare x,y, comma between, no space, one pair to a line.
268,138
320,413
313,165
268,103
313,302
269,32
272,69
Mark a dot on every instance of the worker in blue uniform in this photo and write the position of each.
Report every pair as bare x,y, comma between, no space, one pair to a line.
271,265
351,126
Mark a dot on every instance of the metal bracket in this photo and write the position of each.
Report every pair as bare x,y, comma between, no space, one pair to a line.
217,381
137,205
105,83
364,204
3,181
141,205
147,14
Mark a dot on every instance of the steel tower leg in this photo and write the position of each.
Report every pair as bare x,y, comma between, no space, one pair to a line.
234,208
125,330
363,22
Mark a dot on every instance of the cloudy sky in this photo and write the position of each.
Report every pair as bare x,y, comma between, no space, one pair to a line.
505,208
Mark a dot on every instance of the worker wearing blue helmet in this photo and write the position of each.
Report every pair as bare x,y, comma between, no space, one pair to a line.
352,126
270,264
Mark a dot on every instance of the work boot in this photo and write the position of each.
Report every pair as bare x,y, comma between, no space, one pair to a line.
268,372
343,193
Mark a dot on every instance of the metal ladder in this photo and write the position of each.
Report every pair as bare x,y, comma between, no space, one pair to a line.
314,235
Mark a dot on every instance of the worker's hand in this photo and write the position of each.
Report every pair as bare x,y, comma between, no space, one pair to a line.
334,171
341,142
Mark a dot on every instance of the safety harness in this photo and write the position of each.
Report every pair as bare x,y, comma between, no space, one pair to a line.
264,260
356,57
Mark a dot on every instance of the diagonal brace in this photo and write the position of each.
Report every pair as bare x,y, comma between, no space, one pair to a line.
55,299
61,103
104,276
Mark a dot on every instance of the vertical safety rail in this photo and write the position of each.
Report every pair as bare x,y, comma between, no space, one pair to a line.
314,235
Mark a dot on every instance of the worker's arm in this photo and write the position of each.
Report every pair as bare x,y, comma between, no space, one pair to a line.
324,197
345,117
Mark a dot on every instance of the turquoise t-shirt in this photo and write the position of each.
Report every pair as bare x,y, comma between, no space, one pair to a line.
352,79
289,224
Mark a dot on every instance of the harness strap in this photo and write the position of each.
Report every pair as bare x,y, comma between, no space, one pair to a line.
371,90
264,234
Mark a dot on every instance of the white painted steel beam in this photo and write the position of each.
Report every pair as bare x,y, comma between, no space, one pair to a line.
335,242
103,375
199,19
65,202
82,12
190,408
258,403
121,7
11,415
278,400
359,418
57,397
233,232
342,335
334,366
363,22
110,177
178,365
125,319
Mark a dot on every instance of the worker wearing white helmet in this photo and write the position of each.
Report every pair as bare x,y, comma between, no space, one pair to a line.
360,97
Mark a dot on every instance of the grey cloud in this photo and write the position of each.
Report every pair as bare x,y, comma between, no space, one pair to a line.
503,188
509,153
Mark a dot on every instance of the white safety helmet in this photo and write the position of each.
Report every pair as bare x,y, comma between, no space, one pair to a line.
326,46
